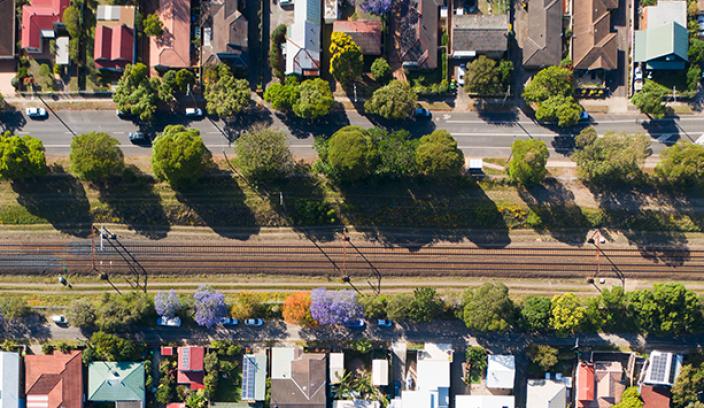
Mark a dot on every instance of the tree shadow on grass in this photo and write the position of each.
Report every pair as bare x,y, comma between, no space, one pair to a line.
416,211
216,201
133,201
304,128
559,214
59,198
31,327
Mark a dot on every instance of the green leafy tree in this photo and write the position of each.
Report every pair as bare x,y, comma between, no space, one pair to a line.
110,347
398,306
226,95
535,313
667,309
393,101
72,21
561,109
81,313
488,308
549,82
135,93
585,137
476,358
276,59
607,312
397,153
95,156
694,75
13,308
175,83
688,385
425,306
351,154
630,399
486,77
179,155
374,306
696,51
380,69
615,158
346,60
650,99
263,154
21,157
153,26
437,155
119,312
567,314
282,97
528,160
314,99
682,165
543,356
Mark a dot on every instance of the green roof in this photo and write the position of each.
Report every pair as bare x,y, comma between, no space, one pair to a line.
110,381
658,42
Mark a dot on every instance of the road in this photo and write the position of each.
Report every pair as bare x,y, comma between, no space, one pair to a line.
487,135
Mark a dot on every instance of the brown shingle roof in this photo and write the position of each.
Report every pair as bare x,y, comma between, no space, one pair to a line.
59,377
543,46
366,34
594,45
480,33
7,28
307,386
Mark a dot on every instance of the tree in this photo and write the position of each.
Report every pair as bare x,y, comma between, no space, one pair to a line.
696,51
95,156
607,311
548,82
476,358
667,309
135,93
167,304
543,356
561,109
81,313
535,313
153,26
374,306
688,385
682,165
346,60
196,399
630,399
109,347
282,97
488,308
380,69
566,314
263,154
585,137
175,83
650,99
72,21
615,158
179,155
397,153
528,160
377,7
276,60
437,155
247,305
21,157
334,307
425,306
226,95
393,101
119,312
351,154
314,99
694,77
486,77
297,309
209,307
13,308
398,307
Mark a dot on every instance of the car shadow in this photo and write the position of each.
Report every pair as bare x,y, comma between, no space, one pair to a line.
12,119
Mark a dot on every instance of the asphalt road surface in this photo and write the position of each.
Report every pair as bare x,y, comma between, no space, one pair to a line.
488,135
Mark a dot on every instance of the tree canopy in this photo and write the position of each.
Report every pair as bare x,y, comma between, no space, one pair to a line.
276,60
688,385
650,99
612,159
152,26
543,356
630,399
486,77
393,101
96,157
119,312
179,155
346,60
667,309
208,307
109,347
226,95
282,96
535,313
563,110
566,313
167,304
528,160
549,82
314,99
423,305
21,157
488,308
380,69
397,153
135,93
296,309
263,154
437,155
682,165
334,307
351,154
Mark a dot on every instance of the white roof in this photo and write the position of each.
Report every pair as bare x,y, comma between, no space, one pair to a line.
337,367
9,380
425,399
356,404
663,368
281,358
485,401
476,163
501,371
62,51
380,372
546,394
303,42
108,13
666,12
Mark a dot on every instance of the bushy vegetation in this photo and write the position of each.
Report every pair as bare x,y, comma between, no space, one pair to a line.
21,157
96,157
310,99
179,155
487,77
528,160
394,101
616,158
552,91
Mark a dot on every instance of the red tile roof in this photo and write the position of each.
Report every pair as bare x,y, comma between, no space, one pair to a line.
585,384
167,351
113,45
190,366
173,48
655,396
367,34
53,381
38,16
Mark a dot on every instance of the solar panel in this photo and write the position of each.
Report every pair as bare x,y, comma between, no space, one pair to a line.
658,368
249,369
186,357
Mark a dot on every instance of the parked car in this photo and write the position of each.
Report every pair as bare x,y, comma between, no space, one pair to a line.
286,3
138,138
668,139
168,322
584,116
229,322
254,322
36,113
422,113
59,320
355,324
460,75
194,112
384,323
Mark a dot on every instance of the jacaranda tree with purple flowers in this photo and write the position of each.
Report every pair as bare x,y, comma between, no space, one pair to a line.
167,303
376,7
209,307
334,307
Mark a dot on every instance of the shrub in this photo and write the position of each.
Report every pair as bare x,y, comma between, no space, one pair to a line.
380,69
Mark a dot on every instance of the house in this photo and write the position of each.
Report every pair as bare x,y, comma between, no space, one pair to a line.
9,380
54,381
478,34
119,382
662,368
7,29
38,20
380,372
500,371
114,37
254,377
600,384
414,28
543,45
172,50
663,43
594,45
484,401
432,385
190,367
655,396
298,380
365,33
546,394
225,34
336,362
303,40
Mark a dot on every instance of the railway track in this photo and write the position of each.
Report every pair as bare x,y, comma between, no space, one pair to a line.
347,258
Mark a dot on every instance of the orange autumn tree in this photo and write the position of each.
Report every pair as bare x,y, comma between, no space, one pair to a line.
297,309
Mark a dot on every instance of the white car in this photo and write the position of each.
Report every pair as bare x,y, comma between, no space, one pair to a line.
286,3
35,112
194,112
169,322
59,320
460,75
